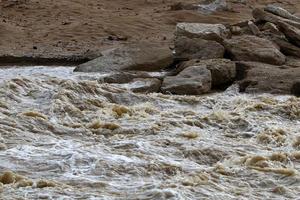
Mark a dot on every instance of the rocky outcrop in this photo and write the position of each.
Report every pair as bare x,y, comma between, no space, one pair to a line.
292,33
197,48
223,71
194,80
256,54
285,47
261,15
261,77
252,48
215,32
281,12
141,56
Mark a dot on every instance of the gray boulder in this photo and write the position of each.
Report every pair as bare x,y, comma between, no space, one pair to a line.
142,56
194,80
252,48
292,33
223,71
215,32
197,48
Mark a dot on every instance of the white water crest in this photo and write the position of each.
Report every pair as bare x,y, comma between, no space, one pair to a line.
93,140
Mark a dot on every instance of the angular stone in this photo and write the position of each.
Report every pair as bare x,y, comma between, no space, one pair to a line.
261,15
142,56
223,71
271,28
197,48
261,77
285,47
215,32
194,80
292,33
276,10
253,28
126,77
252,48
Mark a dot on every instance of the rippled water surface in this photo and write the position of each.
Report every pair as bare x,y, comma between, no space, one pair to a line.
70,136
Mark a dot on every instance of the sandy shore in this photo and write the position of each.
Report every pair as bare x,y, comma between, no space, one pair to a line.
75,30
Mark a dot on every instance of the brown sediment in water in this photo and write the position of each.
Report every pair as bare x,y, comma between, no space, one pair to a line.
97,139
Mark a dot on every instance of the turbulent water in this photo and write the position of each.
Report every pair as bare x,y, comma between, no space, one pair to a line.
70,136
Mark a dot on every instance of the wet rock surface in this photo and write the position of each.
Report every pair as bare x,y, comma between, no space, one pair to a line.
138,56
223,71
193,80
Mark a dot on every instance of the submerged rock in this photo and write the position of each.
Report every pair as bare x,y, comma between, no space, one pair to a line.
252,48
223,71
194,80
197,48
142,56
215,32
143,85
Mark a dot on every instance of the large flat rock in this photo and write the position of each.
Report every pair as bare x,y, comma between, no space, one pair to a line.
216,32
252,48
194,80
142,56
197,48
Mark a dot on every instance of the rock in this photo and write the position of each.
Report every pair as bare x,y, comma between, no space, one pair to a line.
126,77
296,88
285,47
291,33
281,12
194,80
253,28
223,71
142,56
235,30
252,48
215,32
143,85
261,15
261,77
271,28
197,48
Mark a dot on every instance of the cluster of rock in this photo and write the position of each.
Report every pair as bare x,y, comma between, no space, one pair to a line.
262,55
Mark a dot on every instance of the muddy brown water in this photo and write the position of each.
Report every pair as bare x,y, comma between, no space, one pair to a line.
99,141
